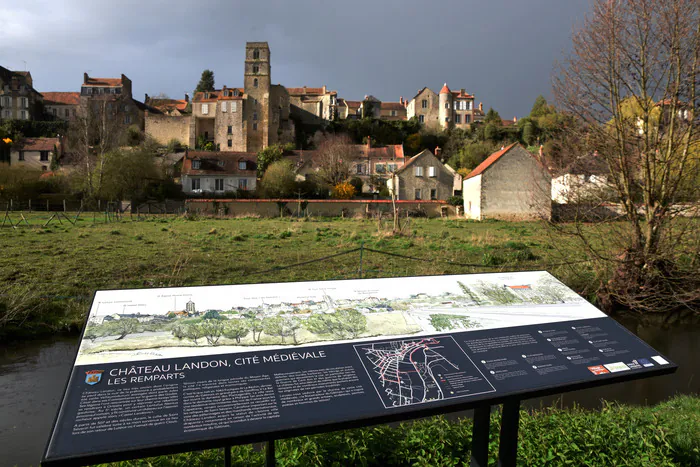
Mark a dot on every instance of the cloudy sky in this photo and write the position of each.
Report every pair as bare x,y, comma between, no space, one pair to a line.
502,51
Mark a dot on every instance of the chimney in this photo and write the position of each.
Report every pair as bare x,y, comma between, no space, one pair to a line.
369,142
85,78
461,92
401,100
437,150
145,99
187,97
324,89
515,119
481,106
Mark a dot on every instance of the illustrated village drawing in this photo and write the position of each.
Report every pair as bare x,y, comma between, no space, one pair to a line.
142,324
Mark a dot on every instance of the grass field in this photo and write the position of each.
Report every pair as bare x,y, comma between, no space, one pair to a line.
48,274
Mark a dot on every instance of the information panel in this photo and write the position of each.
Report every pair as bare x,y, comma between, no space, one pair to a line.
166,370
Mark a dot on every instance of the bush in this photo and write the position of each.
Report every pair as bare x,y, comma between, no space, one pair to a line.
357,183
174,145
455,201
134,135
343,190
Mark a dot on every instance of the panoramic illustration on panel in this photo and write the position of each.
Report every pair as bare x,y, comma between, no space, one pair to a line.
127,325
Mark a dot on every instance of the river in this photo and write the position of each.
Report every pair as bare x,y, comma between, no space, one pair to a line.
33,375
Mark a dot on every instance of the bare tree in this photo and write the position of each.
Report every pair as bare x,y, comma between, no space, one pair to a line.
93,137
631,84
335,157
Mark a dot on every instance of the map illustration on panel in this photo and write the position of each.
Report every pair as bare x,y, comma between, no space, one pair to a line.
148,324
415,371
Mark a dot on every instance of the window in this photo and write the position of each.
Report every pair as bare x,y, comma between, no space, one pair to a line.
44,168
242,165
196,164
447,105
256,69
23,115
418,171
458,118
255,115
206,95
21,156
7,101
255,126
223,106
470,105
44,156
255,83
467,118
391,167
229,143
256,54
235,93
195,184
229,131
242,184
358,169
218,184
421,118
67,113
380,168
6,114
205,109
424,104
432,171
54,112
234,106
393,113
24,102
220,163
126,108
433,193
418,194
127,119
447,119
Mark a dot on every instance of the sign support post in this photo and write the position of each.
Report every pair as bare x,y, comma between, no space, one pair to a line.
227,456
508,449
480,436
270,454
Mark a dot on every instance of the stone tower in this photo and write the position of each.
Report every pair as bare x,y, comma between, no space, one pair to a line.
445,107
257,88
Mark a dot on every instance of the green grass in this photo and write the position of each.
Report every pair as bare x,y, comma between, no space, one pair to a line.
667,434
48,275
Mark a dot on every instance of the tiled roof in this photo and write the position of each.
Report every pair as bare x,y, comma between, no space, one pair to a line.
489,161
220,163
354,104
445,90
168,104
392,106
39,144
459,95
413,159
218,94
309,91
103,82
394,151
61,98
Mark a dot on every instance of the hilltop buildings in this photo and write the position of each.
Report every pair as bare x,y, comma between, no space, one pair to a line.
18,98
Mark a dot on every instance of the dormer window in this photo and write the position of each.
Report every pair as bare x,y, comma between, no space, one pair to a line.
220,163
235,93
196,164
242,165
206,95
256,54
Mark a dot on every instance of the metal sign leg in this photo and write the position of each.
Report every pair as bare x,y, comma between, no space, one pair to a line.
480,437
227,456
508,450
270,454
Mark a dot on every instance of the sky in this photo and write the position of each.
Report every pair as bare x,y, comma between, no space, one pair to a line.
501,51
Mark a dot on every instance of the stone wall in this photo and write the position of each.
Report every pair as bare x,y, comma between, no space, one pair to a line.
322,208
164,128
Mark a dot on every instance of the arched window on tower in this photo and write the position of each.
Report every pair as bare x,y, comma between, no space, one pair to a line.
256,69
255,83
256,54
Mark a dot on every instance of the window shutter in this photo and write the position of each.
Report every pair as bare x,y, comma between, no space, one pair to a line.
233,106
432,171
223,106
205,109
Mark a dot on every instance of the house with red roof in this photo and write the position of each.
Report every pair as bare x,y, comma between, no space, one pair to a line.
35,153
62,105
510,184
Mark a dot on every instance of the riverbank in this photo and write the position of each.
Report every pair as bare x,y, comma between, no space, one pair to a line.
667,434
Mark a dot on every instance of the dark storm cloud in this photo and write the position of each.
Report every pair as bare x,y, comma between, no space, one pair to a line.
501,51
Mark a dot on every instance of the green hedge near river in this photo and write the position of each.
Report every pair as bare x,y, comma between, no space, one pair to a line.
667,434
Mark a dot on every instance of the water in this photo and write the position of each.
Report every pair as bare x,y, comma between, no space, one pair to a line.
33,375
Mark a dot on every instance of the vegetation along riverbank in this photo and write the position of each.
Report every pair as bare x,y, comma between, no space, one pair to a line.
667,434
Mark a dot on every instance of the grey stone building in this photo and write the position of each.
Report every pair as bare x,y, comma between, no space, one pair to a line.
510,184
424,177
18,98
448,109
111,97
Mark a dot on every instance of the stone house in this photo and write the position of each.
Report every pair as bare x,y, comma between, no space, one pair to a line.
510,184
393,110
448,109
62,105
18,98
35,153
423,177
348,109
218,172
111,96
377,164
313,105
425,107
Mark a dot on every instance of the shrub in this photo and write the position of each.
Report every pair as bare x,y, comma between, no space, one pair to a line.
455,201
343,190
